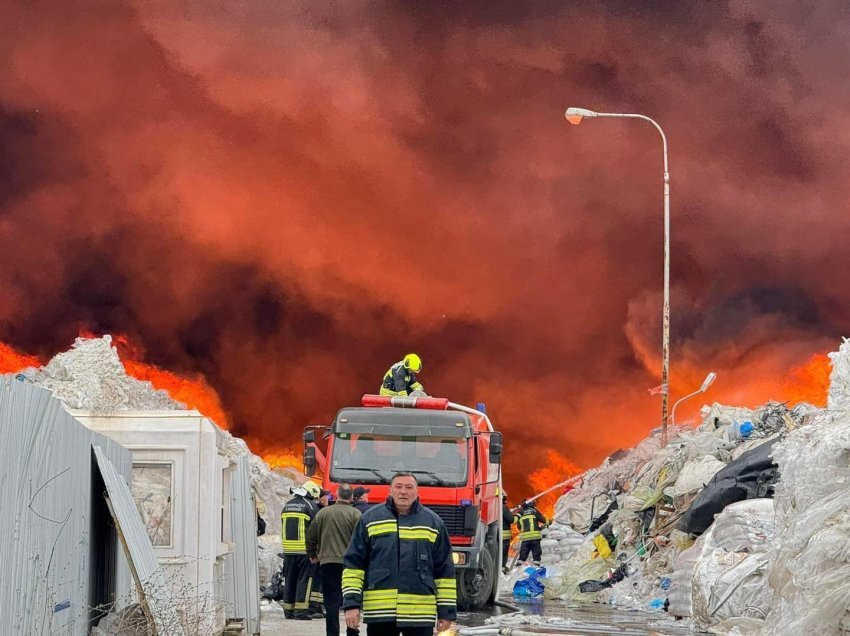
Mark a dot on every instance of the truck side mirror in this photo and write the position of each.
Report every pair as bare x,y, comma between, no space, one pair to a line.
309,436
495,447
310,461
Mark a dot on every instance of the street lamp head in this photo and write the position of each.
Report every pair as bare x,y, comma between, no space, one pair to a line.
707,382
575,115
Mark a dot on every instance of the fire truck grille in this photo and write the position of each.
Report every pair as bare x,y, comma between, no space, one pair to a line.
453,516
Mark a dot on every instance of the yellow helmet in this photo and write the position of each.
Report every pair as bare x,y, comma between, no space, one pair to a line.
312,489
413,362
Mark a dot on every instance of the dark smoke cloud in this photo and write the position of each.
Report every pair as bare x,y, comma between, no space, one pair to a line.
287,197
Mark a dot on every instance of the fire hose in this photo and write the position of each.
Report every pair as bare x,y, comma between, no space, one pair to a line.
567,482
528,630
489,630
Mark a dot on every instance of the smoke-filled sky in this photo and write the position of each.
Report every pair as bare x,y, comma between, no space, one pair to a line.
289,196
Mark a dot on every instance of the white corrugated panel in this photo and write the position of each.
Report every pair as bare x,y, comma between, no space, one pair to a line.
46,515
157,591
242,585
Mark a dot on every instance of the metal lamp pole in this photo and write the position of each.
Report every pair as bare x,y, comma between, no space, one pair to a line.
574,116
705,384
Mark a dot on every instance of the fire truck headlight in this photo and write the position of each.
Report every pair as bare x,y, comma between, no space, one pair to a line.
459,558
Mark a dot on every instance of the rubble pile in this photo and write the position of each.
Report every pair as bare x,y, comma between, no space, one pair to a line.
741,524
90,376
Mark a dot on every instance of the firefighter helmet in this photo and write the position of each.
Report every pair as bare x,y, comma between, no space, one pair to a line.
413,362
313,489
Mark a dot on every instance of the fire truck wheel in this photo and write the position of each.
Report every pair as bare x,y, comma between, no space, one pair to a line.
475,585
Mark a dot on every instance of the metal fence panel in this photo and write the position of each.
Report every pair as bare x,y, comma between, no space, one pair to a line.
242,584
46,512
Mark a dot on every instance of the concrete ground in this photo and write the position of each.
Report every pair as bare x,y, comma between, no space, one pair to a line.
274,624
578,620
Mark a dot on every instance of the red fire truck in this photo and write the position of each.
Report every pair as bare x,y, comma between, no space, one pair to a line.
456,457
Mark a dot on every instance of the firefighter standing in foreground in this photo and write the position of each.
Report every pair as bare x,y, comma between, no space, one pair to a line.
531,521
400,379
398,567
299,587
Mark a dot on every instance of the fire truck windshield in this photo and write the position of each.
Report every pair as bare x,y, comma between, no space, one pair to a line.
365,459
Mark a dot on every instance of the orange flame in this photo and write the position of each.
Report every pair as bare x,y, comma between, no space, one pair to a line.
283,459
810,381
194,391
557,469
11,361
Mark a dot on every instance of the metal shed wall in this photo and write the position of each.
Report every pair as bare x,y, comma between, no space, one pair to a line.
241,567
46,511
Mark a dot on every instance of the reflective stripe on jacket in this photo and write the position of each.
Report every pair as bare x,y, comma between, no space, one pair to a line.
399,381
530,522
294,519
399,568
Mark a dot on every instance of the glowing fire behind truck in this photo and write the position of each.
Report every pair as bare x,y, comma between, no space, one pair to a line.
456,457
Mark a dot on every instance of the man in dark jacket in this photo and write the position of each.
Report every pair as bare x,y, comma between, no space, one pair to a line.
401,380
361,499
398,567
327,540
531,522
507,522
295,519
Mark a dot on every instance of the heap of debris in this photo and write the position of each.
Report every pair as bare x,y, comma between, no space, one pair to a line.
90,376
742,523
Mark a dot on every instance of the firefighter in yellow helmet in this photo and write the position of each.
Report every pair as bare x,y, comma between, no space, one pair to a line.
401,380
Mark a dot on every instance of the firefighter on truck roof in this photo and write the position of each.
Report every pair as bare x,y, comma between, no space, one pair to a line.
400,380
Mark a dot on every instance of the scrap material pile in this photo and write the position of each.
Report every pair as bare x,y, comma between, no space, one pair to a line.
740,524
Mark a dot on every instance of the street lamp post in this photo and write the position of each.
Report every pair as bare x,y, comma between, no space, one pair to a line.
574,116
705,384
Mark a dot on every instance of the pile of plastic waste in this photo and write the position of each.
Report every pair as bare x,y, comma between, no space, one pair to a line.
740,524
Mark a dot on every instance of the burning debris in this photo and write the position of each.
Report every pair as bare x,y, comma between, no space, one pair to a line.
696,529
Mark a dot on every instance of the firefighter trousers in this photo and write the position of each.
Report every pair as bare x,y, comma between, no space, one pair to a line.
298,583
316,599
532,546
506,545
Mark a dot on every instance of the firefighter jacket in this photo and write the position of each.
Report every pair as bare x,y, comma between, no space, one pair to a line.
294,519
530,521
507,521
399,568
399,381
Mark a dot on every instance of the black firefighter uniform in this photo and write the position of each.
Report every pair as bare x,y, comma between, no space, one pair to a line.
398,568
530,522
300,588
399,381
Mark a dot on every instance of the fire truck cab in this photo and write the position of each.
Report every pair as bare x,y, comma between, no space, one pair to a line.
456,457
